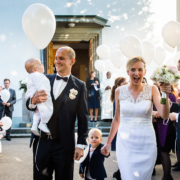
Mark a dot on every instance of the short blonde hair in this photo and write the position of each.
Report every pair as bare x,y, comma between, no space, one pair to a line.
133,60
31,63
95,130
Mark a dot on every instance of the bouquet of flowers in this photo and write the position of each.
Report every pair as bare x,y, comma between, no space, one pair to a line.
23,85
165,74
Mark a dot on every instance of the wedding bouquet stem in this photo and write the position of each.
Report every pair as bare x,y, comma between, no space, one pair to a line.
163,98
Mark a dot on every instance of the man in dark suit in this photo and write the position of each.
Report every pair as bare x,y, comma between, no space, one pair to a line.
176,117
57,151
8,108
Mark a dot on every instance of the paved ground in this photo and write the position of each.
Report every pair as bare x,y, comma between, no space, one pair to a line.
16,162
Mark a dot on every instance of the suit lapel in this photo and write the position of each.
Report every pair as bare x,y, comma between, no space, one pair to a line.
52,83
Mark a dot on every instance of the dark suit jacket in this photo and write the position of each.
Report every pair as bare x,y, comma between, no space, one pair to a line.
176,108
89,86
96,164
12,100
69,110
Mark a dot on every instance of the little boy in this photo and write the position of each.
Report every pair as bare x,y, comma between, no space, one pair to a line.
38,81
94,161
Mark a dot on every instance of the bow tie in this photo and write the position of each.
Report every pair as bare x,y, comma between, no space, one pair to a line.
63,78
92,149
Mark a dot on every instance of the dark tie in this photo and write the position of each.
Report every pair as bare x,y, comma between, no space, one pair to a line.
63,78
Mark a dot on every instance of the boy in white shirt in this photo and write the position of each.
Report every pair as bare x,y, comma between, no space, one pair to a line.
38,81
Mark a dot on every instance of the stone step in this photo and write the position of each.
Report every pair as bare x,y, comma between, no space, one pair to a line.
104,129
93,124
28,135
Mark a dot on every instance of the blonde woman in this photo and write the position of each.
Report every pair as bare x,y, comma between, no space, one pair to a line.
136,142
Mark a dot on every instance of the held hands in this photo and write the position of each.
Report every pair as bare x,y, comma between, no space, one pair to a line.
166,88
1,124
172,116
156,114
8,104
4,103
105,149
78,153
97,82
39,97
108,87
82,175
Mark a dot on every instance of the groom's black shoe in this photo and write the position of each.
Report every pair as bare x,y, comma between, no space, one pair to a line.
8,138
117,175
177,168
175,164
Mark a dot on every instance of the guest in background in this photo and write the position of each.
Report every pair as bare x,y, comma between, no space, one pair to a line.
166,135
93,86
8,108
107,105
118,82
144,80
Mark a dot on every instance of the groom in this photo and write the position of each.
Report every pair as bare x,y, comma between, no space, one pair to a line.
57,151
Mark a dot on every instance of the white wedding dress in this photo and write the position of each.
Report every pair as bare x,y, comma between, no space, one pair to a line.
136,149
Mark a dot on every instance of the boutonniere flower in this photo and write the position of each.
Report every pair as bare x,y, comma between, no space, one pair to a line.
73,93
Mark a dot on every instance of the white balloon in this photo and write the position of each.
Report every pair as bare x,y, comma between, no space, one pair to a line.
108,65
148,51
117,58
131,46
7,122
167,47
115,47
171,33
160,55
99,65
103,51
86,151
39,24
5,95
170,62
177,58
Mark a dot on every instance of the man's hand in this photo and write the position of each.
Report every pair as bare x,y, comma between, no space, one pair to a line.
39,97
97,82
172,116
82,175
78,153
4,103
178,100
8,104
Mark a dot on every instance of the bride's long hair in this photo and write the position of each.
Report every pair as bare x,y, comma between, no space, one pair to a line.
117,82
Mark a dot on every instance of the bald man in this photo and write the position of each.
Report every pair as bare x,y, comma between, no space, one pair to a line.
57,151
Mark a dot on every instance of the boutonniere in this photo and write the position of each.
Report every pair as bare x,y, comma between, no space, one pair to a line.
73,93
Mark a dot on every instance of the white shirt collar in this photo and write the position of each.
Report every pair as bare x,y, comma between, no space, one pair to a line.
63,76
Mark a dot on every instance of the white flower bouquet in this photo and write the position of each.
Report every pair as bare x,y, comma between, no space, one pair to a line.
166,74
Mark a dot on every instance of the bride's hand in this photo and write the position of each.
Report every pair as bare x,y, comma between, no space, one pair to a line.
105,149
166,88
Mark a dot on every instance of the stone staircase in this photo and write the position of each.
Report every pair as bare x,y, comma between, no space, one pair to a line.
24,129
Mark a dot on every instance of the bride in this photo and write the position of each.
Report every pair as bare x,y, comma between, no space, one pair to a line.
136,142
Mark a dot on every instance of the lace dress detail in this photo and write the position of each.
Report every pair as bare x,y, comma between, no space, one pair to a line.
145,94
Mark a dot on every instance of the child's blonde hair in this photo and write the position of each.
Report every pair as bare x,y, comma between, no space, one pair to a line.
95,130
